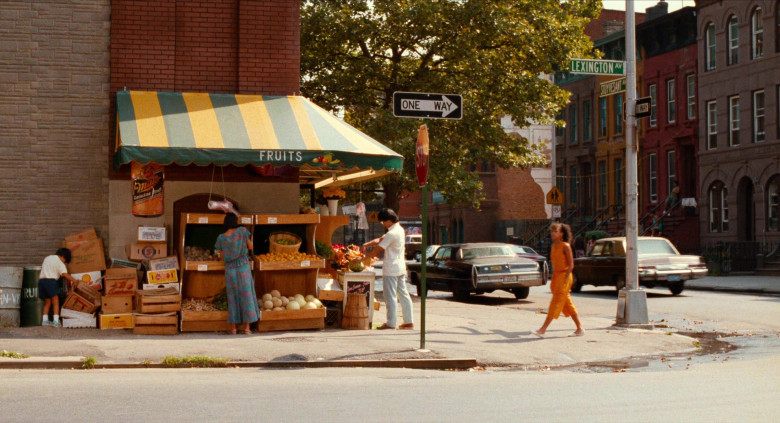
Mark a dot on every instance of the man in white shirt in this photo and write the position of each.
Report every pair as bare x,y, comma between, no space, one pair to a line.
52,269
393,269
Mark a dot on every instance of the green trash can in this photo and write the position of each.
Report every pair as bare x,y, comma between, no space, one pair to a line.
31,307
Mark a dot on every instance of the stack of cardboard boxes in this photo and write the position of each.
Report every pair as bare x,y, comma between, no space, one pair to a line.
86,264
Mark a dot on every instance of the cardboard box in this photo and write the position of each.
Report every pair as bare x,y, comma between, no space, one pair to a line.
90,294
76,319
155,277
93,279
86,256
84,235
116,263
146,250
116,321
151,234
164,263
120,281
78,303
116,304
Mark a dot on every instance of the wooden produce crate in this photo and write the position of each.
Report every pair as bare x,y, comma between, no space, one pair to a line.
292,320
116,304
76,302
152,302
156,324
204,321
87,292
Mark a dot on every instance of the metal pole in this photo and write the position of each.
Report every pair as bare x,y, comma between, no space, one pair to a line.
423,259
632,302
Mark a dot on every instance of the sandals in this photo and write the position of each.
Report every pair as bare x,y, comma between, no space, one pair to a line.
575,333
247,331
233,331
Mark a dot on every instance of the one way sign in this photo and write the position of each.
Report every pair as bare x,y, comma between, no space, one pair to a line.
422,105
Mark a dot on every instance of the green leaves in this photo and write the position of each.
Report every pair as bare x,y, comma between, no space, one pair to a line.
355,54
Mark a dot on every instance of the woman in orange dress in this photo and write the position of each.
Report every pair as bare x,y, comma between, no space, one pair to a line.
560,285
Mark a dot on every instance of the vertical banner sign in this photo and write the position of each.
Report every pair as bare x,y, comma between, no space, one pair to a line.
147,180
421,156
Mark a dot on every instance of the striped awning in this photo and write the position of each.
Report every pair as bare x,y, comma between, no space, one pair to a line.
240,130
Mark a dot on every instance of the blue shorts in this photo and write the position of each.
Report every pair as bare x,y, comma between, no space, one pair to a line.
48,288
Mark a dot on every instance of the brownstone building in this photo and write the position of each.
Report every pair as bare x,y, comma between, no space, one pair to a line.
739,120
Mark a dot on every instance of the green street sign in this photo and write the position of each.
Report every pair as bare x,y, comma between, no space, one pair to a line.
612,87
597,67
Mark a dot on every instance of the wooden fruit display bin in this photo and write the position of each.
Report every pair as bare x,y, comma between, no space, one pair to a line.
288,277
292,320
203,278
156,324
204,321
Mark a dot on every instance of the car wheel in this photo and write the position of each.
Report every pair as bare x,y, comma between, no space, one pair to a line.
418,284
620,282
461,294
676,287
576,286
521,293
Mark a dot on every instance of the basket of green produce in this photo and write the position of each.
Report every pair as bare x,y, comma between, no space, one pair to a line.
284,242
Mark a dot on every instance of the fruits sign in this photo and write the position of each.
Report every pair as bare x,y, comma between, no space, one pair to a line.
421,156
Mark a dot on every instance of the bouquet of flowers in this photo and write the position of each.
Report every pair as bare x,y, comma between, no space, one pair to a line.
333,193
343,254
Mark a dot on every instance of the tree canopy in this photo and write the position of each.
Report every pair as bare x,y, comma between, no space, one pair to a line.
356,53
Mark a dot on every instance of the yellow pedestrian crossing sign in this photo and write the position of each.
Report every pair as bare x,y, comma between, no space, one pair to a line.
555,197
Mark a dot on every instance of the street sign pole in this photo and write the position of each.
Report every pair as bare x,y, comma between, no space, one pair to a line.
632,301
421,164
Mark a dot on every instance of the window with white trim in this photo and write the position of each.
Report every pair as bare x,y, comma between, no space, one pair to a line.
709,51
734,120
670,101
653,109
691,95
757,34
719,210
733,33
759,131
652,164
712,125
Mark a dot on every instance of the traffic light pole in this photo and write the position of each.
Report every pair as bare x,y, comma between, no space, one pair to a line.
632,301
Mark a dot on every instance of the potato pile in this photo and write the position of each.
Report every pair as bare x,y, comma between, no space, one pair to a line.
192,253
274,301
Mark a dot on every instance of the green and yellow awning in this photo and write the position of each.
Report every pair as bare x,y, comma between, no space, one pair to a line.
240,130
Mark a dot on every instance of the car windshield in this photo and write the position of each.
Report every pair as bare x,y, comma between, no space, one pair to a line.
519,249
492,251
655,246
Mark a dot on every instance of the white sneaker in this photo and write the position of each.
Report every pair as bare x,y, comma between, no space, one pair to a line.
47,323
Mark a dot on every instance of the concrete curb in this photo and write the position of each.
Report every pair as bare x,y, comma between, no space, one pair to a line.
426,364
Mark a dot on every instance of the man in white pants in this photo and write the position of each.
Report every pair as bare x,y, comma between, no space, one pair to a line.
393,269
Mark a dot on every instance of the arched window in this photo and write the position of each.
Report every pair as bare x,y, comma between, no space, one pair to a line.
733,41
719,209
773,204
709,53
757,34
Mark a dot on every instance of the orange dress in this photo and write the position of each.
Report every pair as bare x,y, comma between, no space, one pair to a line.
560,285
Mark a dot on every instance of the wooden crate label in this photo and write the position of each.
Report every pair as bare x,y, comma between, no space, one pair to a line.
162,276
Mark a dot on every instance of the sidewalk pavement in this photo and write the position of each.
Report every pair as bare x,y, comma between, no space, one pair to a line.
457,335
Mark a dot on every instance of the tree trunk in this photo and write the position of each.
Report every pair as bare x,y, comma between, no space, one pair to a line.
392,190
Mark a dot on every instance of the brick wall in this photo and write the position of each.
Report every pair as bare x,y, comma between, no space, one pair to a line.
54,71
218,46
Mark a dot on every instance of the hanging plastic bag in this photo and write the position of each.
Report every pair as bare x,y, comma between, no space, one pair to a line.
360,210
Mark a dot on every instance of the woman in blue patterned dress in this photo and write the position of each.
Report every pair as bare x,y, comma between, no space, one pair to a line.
233,246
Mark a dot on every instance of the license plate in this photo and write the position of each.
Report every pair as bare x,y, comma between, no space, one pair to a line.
673,278
510,279
496,268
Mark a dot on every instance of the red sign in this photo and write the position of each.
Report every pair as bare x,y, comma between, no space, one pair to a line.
421,156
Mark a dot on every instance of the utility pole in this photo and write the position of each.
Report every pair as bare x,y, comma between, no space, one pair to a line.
632,301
